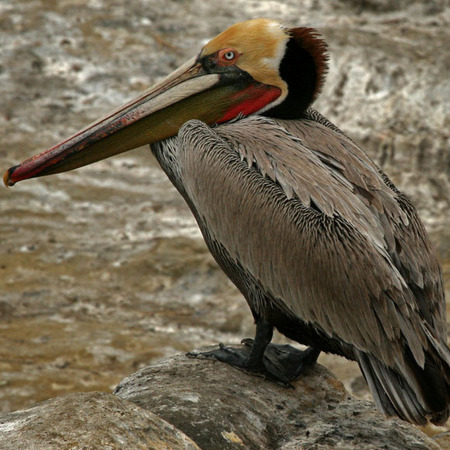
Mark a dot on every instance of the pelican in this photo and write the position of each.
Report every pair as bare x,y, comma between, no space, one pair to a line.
316,237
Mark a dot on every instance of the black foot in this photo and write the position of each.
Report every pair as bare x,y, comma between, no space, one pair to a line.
281,363
290,360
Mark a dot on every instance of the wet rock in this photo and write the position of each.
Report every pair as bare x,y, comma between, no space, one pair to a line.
221,407
90,420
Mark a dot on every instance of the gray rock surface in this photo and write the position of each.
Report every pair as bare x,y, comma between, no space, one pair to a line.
186,403
221,407
91,420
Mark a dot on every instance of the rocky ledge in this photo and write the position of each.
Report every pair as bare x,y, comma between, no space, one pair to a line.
185,403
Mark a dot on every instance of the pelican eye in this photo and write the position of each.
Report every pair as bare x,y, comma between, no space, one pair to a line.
228,55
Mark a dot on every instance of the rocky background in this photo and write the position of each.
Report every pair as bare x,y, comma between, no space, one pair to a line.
103,270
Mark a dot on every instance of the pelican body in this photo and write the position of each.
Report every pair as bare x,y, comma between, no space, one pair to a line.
319,241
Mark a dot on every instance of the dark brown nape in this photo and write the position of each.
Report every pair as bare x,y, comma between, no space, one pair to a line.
303,68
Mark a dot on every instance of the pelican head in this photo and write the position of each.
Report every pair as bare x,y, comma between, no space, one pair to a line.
253,67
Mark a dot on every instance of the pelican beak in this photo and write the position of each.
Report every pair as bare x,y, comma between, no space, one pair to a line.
190,92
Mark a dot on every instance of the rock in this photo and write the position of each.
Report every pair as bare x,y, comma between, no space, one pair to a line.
218,406
188,403
92,420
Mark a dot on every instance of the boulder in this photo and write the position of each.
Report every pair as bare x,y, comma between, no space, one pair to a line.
219,406
88,420
191,403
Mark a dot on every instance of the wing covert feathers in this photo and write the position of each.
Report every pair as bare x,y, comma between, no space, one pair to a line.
323,231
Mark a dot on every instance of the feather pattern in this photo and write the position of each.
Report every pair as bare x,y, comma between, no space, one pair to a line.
300,218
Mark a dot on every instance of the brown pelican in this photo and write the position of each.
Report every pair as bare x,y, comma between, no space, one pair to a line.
316,237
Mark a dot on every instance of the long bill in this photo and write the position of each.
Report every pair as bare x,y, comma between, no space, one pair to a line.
158,113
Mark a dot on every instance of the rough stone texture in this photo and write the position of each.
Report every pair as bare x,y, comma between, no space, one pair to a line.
221,407
94,420
185,403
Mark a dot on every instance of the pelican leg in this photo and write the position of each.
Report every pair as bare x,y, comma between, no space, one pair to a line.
279,363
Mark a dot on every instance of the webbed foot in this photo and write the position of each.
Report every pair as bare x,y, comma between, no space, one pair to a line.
279,363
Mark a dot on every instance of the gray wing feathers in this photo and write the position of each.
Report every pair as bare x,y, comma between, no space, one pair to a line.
311,228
